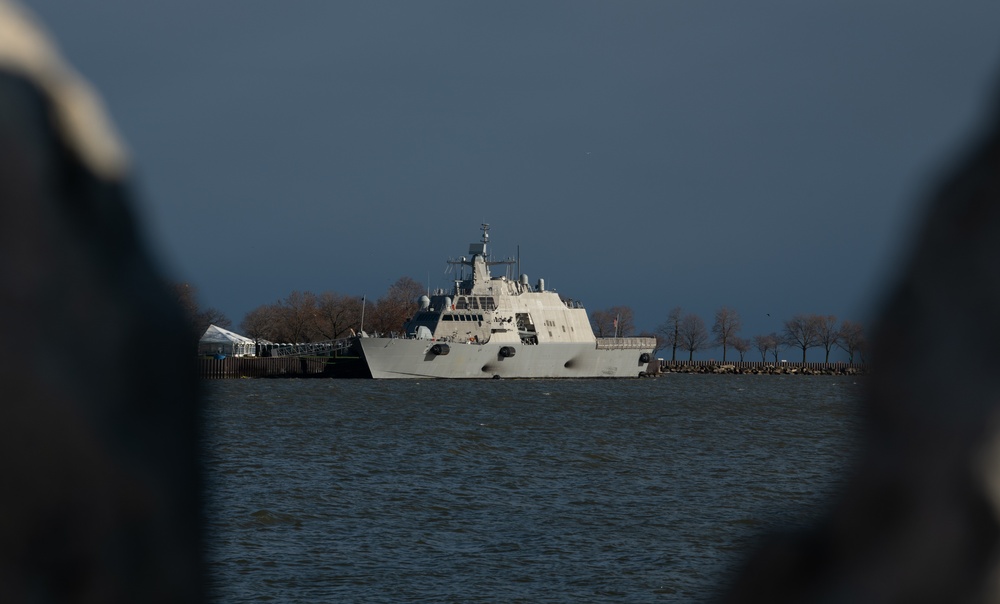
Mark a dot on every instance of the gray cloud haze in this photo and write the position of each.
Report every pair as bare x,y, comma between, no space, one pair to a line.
769,156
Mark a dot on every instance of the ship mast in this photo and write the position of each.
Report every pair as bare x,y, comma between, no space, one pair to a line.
480,251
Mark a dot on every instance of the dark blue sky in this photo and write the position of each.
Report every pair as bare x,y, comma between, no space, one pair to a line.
769,156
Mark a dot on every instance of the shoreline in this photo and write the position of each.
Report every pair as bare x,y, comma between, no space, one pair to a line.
764,368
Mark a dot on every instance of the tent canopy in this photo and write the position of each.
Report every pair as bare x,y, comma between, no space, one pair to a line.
219,340
218,335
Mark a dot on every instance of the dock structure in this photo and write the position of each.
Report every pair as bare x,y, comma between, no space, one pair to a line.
254,367
281,367
325,348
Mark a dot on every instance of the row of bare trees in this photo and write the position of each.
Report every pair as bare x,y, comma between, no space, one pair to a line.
309,317
687,332
823,331
617,321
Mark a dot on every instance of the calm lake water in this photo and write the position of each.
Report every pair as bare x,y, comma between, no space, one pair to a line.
511,491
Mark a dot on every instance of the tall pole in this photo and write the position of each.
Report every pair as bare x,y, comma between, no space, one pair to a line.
362,313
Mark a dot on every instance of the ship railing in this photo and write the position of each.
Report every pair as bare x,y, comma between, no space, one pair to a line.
448,339
625,343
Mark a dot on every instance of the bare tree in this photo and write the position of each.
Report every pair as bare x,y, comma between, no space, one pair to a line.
827,333
198,319
777,343
617,321
392,310
852,339
214,316
337,314
692,334
296,317
602,321
771,342
740,345
260,323
802,331
727,324
763,344
669,331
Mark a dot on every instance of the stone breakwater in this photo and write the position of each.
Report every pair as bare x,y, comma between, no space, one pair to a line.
758,368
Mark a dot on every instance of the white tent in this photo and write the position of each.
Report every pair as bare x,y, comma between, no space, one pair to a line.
222,341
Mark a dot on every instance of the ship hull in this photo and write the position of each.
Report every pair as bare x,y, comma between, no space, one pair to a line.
392,358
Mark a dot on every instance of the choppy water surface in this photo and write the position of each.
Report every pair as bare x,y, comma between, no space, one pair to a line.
503,491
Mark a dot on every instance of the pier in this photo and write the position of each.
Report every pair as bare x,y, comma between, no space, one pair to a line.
279,367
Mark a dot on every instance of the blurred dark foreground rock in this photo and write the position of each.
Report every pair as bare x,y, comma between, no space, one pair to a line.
919,519
98,445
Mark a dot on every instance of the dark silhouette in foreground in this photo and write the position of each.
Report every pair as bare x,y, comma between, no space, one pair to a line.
98,447
918,521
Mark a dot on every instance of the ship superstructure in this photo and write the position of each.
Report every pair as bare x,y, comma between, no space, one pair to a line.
487,327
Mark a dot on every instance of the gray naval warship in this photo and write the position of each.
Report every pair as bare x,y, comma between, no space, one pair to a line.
499,327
